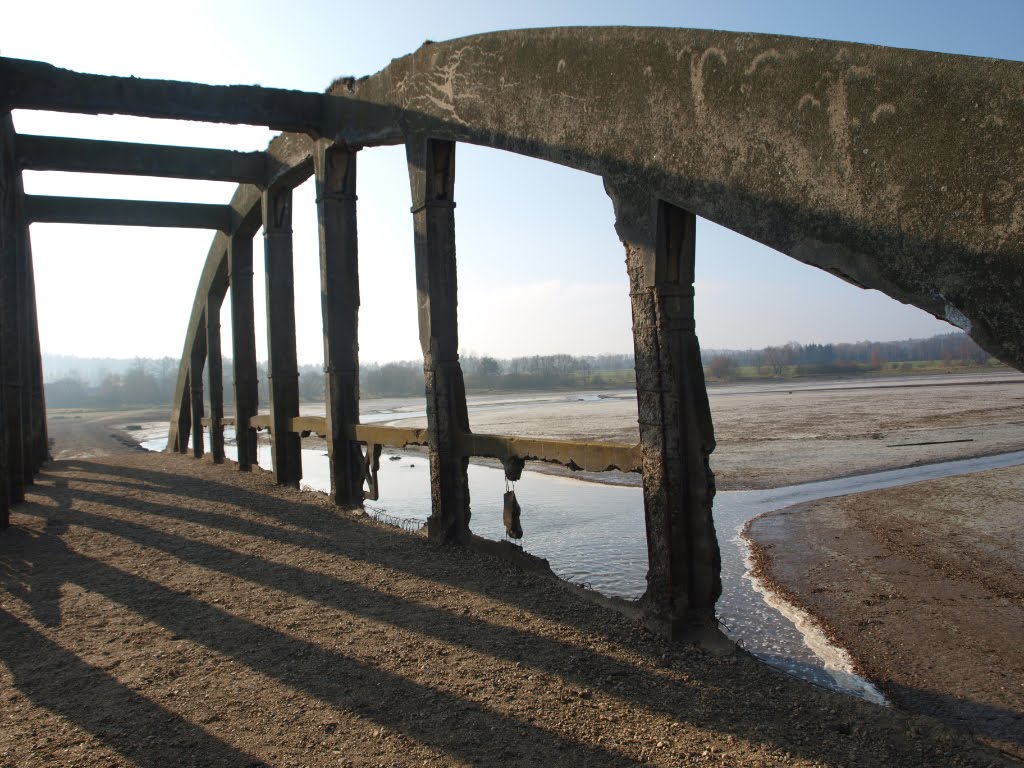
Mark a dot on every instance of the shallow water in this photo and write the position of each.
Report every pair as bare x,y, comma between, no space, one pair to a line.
593,534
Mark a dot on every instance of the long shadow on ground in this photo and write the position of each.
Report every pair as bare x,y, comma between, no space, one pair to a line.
263,539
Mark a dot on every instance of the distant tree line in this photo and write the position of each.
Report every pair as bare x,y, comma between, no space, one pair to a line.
144,382
844,358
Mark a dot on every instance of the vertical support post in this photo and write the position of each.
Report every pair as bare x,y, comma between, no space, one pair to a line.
432,178
339,302
676,433
10,486
19,346
184,416
195,375
26,362
214,367
283,366
37,395
243,348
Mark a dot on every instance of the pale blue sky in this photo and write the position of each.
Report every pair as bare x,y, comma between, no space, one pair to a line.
541,270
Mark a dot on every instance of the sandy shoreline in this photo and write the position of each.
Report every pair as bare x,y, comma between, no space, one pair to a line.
922,585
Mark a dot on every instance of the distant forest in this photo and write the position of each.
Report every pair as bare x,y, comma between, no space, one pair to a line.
73,382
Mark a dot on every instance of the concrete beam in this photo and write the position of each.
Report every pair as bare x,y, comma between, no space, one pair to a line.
47,153
37,85
130,213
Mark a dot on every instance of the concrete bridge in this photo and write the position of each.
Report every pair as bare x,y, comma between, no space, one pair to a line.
893,169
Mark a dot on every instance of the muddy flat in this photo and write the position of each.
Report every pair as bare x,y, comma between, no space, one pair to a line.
924,585
770,435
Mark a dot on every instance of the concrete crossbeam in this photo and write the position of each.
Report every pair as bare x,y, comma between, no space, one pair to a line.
134,213
47,153
37,85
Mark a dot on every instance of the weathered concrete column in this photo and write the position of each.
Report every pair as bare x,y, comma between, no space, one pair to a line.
215,372
676,433
339,301
283,366
432,177
10,484
184,426
13,336
195,376
243,347
37,395
25,351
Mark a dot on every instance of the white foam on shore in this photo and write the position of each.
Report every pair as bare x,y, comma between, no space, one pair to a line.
836,660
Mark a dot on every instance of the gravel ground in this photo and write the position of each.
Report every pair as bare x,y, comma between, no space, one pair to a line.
161,611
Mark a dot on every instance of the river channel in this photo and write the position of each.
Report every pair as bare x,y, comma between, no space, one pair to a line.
593,534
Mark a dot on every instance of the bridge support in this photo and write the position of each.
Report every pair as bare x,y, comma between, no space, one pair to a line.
676,433
283,366
432,177
243,347
40,442
23,444
195,376
183,427
339,301
11,476
215,372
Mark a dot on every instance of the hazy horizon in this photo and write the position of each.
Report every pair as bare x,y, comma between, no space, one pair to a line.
66,363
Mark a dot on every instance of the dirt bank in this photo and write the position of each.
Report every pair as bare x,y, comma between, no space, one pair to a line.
923,585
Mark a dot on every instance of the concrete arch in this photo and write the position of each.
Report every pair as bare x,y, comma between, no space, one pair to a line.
894,169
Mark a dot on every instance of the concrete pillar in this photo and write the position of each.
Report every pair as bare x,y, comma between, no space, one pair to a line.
12,320
27,361
243,348
676,433
283,367
215,374
184,417
195,376
10,485
432,178
37,395
339,301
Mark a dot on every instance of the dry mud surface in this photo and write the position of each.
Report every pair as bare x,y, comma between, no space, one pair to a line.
924,585
161,611
769,436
